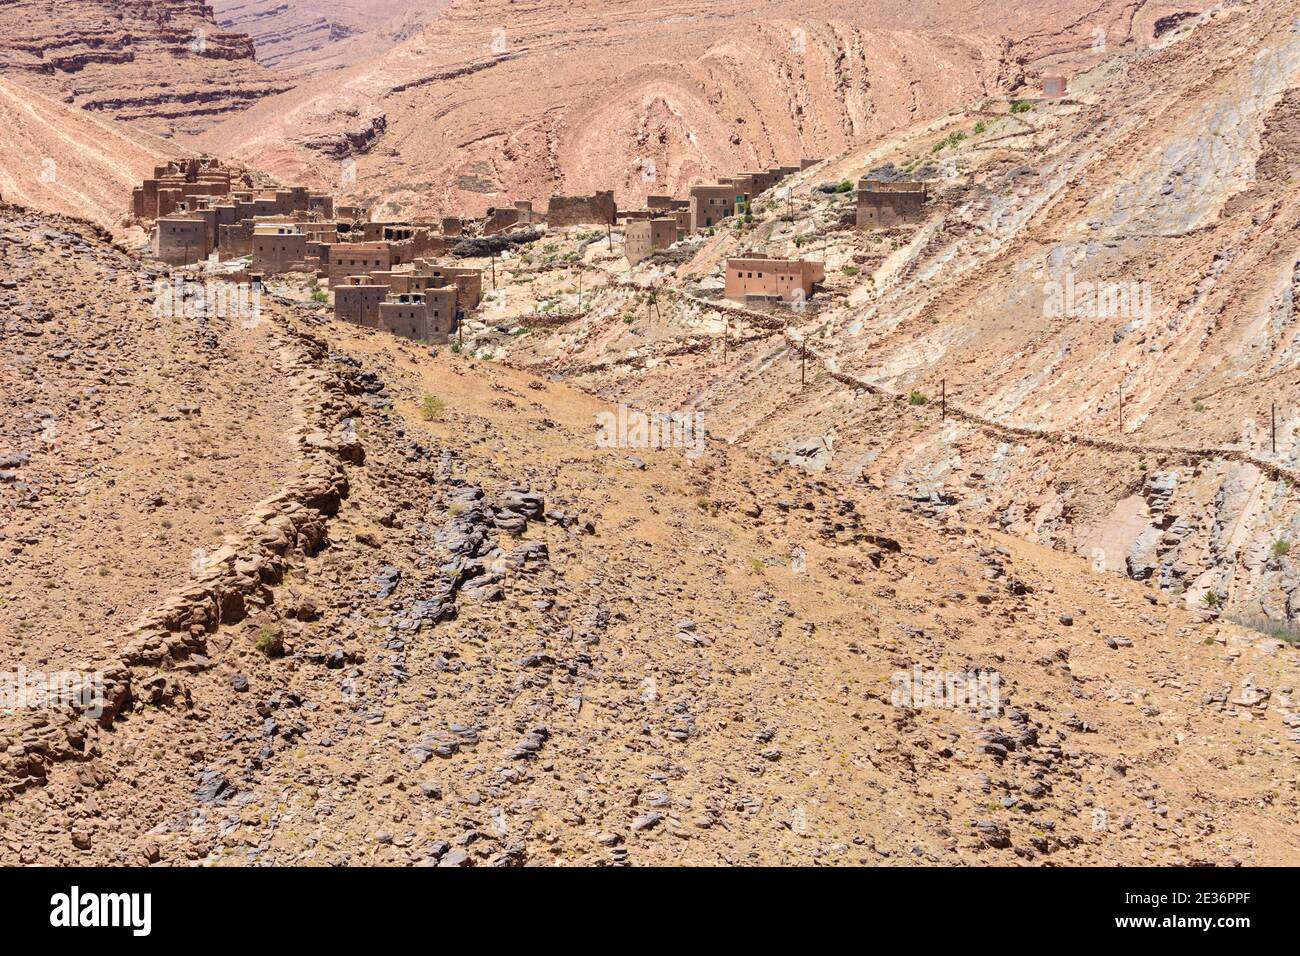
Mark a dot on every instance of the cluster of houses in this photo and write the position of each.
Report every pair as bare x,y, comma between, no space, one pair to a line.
426,303
384,275
381,273
200,208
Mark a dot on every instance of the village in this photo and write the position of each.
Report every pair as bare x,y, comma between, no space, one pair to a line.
408,279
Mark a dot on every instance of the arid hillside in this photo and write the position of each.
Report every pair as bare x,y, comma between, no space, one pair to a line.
64,160
161,65
309,36
495,100
1157,435
956,563
456,630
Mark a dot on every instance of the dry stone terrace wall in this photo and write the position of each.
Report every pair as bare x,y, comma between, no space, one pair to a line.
1183,453
171,638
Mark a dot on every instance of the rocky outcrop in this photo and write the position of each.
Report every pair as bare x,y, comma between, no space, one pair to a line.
312,35
171,638
164,65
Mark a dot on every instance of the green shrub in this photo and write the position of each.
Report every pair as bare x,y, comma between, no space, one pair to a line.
433,408
270,642
1021,106
917,398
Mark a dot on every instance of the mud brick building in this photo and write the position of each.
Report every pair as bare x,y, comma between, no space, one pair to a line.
356,259
598,209
711,204
417,303
180,241
229,212
1053,87
682,219
237,239
881,205
759,181
176,181
386,231
742,187
468,282
646,235
357,301
666,203
771,280
501,218
279,247
422,316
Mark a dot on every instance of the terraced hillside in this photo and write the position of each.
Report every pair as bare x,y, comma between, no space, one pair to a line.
1169,173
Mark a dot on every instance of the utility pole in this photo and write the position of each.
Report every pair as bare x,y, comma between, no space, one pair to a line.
609,234
943,399
1121,409
494,270
1272,409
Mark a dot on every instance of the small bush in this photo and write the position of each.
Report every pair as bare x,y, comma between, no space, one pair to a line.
270,642
1020,106
845,186
320,295
980,127
851,270
1210,599
950,140
917,398
433,408
1281,547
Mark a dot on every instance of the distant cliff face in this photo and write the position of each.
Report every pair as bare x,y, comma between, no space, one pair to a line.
163,65
304,36
489,101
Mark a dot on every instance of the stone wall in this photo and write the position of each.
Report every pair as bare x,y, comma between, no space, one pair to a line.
596,210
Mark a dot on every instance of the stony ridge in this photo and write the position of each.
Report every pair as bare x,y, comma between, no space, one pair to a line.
110,59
